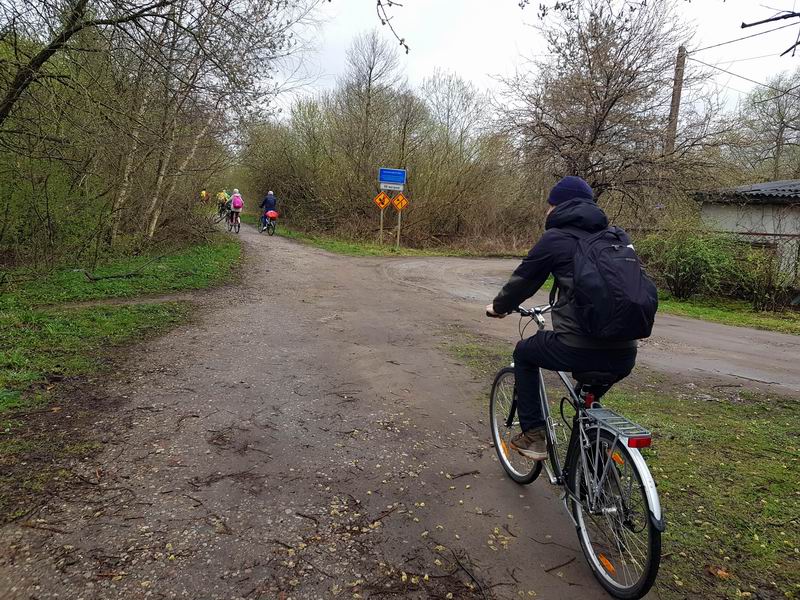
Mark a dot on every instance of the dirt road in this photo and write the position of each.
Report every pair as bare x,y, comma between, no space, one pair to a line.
307,437
687,347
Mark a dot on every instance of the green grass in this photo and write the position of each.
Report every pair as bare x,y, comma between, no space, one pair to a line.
727,471
38,349
732,312
726,464
360,247
44,341
192,268
40,346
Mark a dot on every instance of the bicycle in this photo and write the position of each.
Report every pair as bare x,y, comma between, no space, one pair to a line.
271,218
608,490
234,222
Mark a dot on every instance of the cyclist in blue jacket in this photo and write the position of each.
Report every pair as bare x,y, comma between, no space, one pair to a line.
270,202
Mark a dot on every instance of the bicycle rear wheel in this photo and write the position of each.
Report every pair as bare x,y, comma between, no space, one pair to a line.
520,468
617,535
270,228
237,226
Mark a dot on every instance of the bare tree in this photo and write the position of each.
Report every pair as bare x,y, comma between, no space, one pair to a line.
598,107
770,134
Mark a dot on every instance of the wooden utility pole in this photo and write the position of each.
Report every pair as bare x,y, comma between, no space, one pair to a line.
675,107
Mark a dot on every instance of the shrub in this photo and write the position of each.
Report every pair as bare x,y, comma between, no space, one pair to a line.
689,260
761,280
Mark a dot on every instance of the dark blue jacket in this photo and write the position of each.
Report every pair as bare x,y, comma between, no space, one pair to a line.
554,253
269,202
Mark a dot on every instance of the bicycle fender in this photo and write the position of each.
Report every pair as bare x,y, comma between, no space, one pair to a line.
649,489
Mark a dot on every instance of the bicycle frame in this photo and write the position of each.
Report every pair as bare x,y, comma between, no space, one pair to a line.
579,440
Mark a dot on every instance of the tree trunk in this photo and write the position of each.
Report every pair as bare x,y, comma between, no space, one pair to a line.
189,157
124,188
166,157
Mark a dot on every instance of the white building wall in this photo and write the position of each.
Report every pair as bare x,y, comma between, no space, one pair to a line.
769,223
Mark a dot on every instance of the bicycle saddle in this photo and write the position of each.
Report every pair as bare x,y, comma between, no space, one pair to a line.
595,378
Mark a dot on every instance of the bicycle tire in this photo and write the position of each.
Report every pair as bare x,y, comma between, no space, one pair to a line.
603,568
237,226
230,225
519,468
270,229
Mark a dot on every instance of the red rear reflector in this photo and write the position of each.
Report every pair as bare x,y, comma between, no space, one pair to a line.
589,400
639,442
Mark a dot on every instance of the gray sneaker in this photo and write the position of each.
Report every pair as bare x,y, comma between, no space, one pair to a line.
531,444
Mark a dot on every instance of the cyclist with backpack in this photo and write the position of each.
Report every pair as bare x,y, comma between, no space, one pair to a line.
605,303
237,204
222,202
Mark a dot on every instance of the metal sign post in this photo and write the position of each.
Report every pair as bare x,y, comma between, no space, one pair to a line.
394,180
382,200
399,219
399,202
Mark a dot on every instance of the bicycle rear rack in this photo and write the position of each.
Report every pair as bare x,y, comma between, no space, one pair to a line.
635,435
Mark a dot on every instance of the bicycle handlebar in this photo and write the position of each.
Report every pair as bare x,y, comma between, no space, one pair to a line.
536,311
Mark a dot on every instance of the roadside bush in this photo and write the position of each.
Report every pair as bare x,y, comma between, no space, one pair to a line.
688,260
761,280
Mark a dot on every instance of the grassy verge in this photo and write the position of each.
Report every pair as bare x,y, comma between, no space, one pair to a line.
726,464
363,248
46,348
195,267
732,312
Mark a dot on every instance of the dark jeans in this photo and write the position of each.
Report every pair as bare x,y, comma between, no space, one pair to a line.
545,351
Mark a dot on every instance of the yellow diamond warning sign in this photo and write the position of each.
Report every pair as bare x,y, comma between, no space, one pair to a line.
400,202
382,200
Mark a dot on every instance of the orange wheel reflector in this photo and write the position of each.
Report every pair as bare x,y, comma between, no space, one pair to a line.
607,564
504,446
617,458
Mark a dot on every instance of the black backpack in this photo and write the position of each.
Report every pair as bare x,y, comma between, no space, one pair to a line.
612,297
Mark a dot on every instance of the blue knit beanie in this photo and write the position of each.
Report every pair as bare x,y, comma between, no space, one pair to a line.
569,188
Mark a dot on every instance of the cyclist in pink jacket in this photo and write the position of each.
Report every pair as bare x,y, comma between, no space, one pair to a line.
237,204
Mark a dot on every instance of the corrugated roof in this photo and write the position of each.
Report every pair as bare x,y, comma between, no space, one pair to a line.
786,191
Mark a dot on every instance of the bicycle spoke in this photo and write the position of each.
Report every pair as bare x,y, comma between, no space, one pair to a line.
612,511
517,465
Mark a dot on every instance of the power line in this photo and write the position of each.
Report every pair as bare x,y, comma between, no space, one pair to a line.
738,60
745,37
772,87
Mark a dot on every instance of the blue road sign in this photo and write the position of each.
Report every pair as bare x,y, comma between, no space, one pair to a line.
392,176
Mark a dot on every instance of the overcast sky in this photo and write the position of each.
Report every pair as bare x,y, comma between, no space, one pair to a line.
483,39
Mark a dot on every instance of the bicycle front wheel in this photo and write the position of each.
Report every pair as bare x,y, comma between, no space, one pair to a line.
501,403
612,513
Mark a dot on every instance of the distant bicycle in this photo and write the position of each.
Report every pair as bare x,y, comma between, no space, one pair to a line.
234,222
594,456
222,213
269,222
